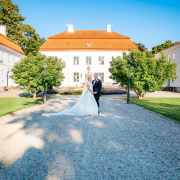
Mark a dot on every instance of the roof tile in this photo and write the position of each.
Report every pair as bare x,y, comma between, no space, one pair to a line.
4,40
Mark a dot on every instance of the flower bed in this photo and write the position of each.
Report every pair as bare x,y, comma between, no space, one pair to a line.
114,92
54,91
79,92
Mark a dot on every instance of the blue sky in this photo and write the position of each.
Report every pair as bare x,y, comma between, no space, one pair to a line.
150,22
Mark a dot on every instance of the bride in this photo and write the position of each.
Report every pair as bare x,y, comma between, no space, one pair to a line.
86,105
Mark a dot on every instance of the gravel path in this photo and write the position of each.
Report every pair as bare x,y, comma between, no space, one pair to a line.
123,142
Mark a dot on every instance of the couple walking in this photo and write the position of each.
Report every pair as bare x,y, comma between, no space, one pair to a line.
88,104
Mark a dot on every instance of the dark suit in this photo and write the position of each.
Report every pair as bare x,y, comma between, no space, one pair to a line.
97,88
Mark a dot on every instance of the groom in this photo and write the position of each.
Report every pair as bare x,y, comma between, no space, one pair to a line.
97,85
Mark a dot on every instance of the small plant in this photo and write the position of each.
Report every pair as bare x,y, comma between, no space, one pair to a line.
5,88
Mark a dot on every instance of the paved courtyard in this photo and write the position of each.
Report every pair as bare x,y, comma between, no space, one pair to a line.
124,142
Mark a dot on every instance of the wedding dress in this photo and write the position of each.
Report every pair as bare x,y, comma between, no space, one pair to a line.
86,105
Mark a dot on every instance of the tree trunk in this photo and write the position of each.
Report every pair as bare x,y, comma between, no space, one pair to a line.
34,95
139,94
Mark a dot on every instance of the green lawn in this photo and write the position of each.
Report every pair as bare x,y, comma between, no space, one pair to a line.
169,107
9,105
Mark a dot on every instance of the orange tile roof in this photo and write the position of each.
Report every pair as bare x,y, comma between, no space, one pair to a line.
88,40
10,44
88,34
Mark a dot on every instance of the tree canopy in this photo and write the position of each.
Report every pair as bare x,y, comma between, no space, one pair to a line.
160,47
29,73
23,34
147,74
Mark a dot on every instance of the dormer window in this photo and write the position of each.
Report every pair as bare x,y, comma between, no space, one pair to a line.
88,44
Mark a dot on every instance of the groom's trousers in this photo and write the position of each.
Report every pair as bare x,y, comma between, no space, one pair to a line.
97,96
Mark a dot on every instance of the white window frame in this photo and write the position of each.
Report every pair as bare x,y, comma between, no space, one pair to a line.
100,60
2,56
168,57
88,58
9,57
2,74
100,75
173,56
76,77
14,59
77,60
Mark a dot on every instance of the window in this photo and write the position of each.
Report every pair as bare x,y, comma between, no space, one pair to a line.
88,60
2,56
101,76
9,57
54,56
76,60
101,60
173,56
2,75
76,77
168,57
13,59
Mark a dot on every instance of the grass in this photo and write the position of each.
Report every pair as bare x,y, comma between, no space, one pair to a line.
9,105
169,107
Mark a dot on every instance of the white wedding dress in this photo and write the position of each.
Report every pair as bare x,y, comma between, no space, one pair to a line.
86,105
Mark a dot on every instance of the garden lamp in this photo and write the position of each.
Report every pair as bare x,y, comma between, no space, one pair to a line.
44,66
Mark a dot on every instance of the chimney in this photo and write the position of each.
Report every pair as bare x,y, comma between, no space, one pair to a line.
108,28
3,29
70,28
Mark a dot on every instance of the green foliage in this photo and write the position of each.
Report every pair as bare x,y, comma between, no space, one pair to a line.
30,73
23,34
10,105
160,47
147,74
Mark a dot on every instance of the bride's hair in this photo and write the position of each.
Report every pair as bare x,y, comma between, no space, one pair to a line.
89,77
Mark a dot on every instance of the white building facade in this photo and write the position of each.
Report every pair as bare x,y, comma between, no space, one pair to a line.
173,52
82,50
10,53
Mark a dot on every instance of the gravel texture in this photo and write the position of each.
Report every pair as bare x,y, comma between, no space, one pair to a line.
124,142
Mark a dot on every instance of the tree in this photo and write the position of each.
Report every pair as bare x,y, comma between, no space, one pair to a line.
23,34
29,73
10,16
160,47
147,74
141,47
30,41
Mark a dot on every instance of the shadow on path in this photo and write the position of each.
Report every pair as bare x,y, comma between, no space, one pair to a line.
120,143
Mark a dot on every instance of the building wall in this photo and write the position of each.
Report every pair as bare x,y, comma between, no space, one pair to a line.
67,57
176,58
8,58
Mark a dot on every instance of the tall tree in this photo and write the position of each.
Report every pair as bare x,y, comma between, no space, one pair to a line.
160,47
141,47
23,34
147,74
30,41
29,73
